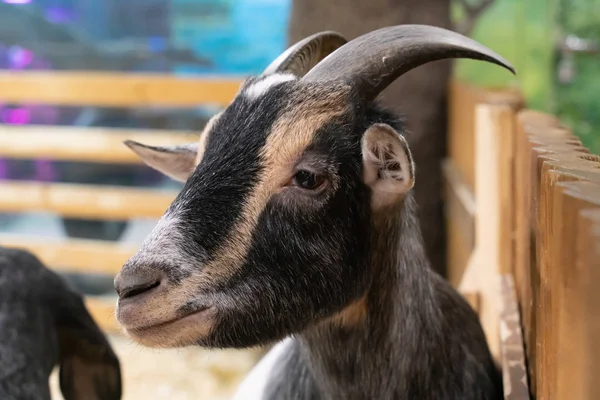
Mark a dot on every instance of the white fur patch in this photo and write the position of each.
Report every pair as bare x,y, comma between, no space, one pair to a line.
165,237
253,386
261,87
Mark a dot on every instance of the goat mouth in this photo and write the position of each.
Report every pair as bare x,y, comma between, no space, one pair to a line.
180,318
181,329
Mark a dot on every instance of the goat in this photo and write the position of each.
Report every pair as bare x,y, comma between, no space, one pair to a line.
43,322
297,222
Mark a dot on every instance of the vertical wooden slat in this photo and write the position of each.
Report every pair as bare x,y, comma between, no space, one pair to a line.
461,127
526,278
460,213
588,265
473,300
514,364
552,170
569,314
463,99
494,183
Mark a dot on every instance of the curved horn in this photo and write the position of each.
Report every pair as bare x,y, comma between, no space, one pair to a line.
299,58
373,61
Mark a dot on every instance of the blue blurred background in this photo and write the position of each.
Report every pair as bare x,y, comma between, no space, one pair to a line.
200,37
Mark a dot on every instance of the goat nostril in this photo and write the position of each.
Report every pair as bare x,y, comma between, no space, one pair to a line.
135,290
131,283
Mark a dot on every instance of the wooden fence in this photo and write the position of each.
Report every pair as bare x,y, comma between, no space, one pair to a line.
523,209
100,145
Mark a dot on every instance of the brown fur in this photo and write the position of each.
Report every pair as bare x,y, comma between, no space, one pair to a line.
351,316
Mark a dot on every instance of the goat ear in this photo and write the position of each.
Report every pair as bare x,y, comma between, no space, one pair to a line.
388,166
177,162
89,368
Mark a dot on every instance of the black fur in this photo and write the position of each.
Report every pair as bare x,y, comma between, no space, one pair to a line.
213,196
44,323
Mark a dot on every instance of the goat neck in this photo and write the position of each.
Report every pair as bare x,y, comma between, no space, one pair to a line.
379,324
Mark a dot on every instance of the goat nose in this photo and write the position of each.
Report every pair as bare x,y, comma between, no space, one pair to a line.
133,284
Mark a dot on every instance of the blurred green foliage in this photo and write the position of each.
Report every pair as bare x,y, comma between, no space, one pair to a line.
526,32
578,102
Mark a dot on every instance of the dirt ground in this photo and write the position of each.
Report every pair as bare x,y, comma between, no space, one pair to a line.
177,374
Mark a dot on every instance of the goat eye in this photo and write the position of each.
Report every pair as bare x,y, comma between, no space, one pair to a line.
308,180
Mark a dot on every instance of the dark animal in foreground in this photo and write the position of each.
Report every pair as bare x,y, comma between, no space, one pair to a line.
44,323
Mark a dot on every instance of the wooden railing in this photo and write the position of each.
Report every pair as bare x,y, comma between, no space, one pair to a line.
532,248
103,89
99,145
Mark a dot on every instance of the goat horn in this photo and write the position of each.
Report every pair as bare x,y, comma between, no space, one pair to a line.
371,62
299,58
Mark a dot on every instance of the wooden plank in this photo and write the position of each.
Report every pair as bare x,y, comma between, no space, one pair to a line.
460,216
551,172
459,187
84,201
569,315
77,88
462,100
554,168
588,264
545,335
550,226
100,145
74,255
473,300
493,252
102,310
514,364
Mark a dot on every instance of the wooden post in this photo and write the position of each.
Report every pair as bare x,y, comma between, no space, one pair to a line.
460,169
588,264
526,281
569,313
460,215
493,253
553,168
